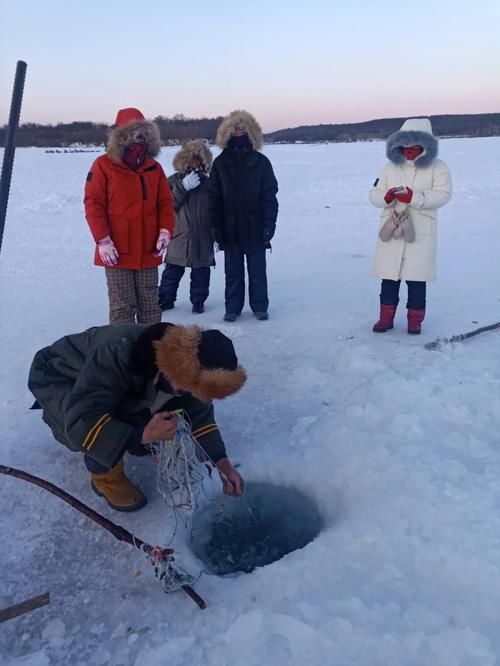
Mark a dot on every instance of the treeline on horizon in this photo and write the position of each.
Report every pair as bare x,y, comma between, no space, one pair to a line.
178,129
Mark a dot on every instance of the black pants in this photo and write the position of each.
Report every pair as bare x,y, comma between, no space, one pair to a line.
234,266
171,277
96,468
389,294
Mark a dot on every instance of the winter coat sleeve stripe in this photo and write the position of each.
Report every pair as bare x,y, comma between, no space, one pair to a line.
92,430
97,432
205,430
204,427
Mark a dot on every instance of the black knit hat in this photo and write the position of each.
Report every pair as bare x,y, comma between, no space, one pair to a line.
215,350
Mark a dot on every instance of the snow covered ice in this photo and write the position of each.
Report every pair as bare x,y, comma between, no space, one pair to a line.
398,446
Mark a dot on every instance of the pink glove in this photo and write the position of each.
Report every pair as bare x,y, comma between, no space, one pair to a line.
107,251
162,242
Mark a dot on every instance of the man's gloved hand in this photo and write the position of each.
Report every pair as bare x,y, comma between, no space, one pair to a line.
389,195
107,251
190,181
162,242
268,234
405,196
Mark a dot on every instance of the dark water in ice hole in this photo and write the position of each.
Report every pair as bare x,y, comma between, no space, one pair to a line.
229,537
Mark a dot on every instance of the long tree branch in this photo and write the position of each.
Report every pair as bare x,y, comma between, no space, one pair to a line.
462,336
117,531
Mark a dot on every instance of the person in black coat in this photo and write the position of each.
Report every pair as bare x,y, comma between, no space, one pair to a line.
243,209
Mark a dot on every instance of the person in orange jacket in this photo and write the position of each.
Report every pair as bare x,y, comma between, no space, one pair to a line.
129,209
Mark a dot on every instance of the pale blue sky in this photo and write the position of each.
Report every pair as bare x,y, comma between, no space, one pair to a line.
290,63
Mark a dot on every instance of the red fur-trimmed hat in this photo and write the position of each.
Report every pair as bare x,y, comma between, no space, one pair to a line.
126,116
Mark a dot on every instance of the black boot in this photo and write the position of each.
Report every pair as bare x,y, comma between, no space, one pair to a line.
198,308
165,305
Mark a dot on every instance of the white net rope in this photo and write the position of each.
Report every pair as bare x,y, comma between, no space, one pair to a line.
171,576
181,469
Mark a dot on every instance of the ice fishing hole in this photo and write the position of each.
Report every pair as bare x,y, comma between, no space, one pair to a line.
237,534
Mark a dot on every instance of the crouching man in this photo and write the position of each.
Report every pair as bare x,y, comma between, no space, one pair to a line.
113,389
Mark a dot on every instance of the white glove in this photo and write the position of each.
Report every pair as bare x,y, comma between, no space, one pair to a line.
190,181
107,251
162,242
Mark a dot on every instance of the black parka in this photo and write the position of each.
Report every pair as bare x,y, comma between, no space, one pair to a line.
242,201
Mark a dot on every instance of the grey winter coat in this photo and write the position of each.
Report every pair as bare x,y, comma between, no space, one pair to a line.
192,243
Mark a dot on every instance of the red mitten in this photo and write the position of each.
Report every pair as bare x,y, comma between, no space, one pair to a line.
389,196
405,197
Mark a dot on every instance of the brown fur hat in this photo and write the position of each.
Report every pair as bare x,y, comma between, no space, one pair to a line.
121,136
202,362
239,119
195,148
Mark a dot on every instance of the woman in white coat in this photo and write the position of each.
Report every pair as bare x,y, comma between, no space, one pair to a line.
410,189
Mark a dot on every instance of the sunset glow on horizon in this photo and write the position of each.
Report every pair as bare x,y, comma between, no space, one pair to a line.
290,64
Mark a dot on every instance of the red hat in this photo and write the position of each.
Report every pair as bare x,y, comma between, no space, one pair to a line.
126,116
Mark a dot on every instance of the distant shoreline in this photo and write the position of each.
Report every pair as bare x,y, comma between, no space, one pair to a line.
176,130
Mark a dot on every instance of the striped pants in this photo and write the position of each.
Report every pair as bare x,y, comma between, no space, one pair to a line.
133,295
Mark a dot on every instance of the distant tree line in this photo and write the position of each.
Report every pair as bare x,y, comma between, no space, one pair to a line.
173,131
471,125
178,129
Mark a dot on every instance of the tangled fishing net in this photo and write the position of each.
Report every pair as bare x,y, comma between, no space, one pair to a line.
181,471
170,575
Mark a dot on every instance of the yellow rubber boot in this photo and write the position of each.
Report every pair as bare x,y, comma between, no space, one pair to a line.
119,492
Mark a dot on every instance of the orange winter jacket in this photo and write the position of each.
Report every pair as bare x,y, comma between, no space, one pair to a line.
131,207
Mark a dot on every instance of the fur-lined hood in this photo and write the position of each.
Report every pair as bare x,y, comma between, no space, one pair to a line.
177,358
120,137
244,120
413,132
195,148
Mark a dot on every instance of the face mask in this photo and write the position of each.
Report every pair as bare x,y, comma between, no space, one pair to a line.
412,152
239,142
134,155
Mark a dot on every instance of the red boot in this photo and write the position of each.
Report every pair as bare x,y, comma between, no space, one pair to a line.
386,320
415,319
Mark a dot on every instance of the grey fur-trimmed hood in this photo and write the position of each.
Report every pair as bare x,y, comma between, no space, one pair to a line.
120,137
195,148
244,120
413,132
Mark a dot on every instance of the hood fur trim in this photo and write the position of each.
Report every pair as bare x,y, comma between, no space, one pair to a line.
120,137
244,120
196,148
177,359
406,138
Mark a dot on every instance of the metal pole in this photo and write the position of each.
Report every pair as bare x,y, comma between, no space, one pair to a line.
10,142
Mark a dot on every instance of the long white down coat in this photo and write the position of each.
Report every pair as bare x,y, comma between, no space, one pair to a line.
397,259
